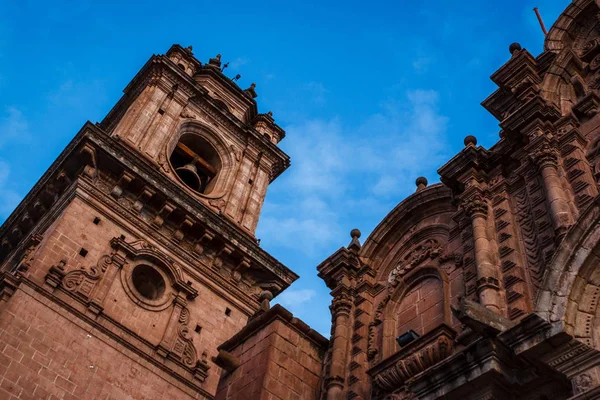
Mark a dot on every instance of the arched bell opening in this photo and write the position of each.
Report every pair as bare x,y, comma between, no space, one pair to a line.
196,163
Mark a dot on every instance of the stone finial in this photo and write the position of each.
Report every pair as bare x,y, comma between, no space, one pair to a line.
189,49
354,244
270,114
421,183
215,62
514,47
250,91
470,141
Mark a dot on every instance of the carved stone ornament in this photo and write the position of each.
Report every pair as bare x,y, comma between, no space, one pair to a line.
476,206
186,113
582,383
546,156
341,305
29,254
82,282
393,375
184,347
429,249
219,204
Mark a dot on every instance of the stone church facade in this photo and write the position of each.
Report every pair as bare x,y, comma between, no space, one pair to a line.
131,269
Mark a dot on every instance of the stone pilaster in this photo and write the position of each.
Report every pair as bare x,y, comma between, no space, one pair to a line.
340,310
546,160
488,287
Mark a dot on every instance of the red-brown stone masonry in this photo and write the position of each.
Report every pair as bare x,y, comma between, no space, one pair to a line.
422,309
45,356
277,363
75,230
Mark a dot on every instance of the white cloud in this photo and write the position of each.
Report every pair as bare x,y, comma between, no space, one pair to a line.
13,126
291,298
421,64
340,170
317,92
78,95
9,199
237,63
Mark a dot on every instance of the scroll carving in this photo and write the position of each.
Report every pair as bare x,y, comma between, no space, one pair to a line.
184,348
83,282
430,249
29,254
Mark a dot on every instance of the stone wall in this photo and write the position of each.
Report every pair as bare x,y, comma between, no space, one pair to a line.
47,352
278,357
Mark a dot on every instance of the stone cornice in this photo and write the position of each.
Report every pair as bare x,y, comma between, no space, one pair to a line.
537,107
121,155
471,162
276,312
338,267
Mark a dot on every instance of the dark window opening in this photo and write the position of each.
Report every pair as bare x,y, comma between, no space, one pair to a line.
198,329
148,282
96,221
83,252
196,163
227,312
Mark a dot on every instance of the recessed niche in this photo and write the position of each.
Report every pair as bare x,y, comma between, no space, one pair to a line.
148,282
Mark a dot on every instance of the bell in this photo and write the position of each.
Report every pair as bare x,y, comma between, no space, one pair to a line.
189,174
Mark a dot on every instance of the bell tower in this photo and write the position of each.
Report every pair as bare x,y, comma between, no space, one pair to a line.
202,131
133,258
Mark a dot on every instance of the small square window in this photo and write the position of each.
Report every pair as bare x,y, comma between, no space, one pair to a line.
83,252
198,329
96,221
228,311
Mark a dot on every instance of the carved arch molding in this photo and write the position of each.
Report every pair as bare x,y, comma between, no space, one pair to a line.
575,70
90,286
571,289
426,261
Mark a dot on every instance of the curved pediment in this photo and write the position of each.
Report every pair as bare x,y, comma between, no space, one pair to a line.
427,214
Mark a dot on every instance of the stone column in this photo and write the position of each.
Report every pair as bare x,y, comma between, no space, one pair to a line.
340,309
546,159
488,288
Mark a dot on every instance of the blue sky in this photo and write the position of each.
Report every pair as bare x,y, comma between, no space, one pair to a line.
372,95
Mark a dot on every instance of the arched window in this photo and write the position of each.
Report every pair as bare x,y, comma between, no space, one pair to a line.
196,163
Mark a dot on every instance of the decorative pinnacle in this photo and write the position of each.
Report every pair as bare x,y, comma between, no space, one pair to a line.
354,244
514,47
470,140
421,183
